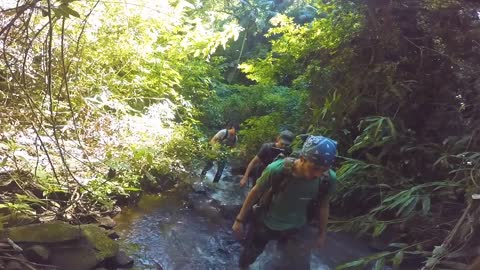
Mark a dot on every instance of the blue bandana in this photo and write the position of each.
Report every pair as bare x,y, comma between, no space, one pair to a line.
320,150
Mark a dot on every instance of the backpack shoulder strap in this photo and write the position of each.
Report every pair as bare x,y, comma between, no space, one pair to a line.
279,184
325,183
288,166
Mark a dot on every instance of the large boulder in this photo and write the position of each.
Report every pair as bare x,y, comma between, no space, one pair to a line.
205,206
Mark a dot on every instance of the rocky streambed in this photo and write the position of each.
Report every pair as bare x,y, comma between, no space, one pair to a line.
193,231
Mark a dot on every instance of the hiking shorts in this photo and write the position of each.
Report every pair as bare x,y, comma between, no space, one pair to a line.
292,244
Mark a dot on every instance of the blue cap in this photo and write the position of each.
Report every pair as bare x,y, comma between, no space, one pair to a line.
320,150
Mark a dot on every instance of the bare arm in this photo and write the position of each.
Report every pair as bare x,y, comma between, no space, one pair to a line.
254,162
213,140
218,137
252,197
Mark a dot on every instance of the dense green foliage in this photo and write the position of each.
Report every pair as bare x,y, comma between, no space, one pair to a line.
397,89
101,100
263,111
103,87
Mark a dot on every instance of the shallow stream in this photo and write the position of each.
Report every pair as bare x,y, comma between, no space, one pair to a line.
174,231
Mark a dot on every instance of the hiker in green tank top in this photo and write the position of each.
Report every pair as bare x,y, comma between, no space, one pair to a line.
293,187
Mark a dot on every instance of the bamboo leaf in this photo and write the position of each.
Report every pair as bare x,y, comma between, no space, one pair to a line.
410,208
426,204
379,264
397,260
379,228
356,263
404,205
393,131
379,127
398,245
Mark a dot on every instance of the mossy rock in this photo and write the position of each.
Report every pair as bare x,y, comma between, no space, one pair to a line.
73,247
44,233
97,237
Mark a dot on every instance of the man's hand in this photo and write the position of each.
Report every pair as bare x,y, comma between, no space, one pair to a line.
243,181
237,230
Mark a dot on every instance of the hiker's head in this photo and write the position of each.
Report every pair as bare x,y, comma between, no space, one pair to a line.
317,155
284,139
232,128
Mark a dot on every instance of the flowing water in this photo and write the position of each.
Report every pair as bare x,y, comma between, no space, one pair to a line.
174,231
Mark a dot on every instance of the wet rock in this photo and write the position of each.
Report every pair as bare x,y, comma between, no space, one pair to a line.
199,187
116,210
37,253
158,266
106,222
113,235
123,260
209,211
205,206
